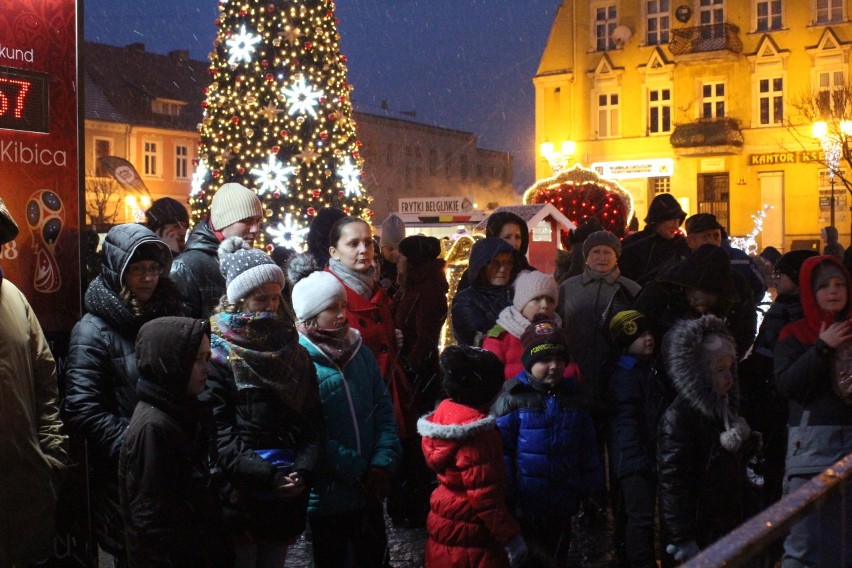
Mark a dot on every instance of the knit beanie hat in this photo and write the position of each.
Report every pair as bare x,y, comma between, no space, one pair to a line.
245,268
601,238
471,376
8,227
791,263
419,249
314,290
165,211
532,284
234,202
663,208
543,338
393,231
626,326
824,272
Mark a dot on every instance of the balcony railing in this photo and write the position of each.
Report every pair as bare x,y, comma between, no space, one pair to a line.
708,132
711,37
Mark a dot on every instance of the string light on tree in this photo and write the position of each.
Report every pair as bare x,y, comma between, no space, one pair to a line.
288,234
277,115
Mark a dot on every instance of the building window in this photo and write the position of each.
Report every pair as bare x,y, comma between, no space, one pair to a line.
771,100
103,148
831,90
713,100
605,23
829,11
714,196
181,161
152,159
608,115
659,111
711,17
168,108
657,22
660,184
768,15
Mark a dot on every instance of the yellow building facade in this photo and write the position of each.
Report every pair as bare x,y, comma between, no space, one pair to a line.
702,99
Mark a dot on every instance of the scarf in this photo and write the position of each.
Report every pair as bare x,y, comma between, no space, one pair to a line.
336,343
262,350
610,277
515,323
362,283
103,302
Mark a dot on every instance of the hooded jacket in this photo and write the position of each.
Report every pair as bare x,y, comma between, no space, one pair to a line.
475,309
549,447
803,367
702,485
169,498
493,228
101,373
196,273
32,447
469,522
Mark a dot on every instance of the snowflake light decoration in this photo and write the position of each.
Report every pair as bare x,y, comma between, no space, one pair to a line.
288,234
272,176
241,46
351,176
199,176
302,99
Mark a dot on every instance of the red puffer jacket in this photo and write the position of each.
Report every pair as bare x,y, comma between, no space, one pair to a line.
372,318
469,523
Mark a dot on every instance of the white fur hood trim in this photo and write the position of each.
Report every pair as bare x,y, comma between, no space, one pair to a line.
429,429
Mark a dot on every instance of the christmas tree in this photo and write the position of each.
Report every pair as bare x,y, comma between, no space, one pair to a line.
580,193
278,116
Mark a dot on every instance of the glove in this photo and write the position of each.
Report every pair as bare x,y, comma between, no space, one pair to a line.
684,551
516,550
376,481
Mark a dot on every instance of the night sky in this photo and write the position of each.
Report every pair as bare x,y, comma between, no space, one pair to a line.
463,64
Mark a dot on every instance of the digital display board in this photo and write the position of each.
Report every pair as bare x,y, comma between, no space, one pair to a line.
24,100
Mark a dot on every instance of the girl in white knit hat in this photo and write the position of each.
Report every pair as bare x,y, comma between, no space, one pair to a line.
362,447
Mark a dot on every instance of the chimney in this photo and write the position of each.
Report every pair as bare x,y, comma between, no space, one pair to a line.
137,47
179,54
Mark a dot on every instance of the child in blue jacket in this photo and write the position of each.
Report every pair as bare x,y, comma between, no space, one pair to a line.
549,442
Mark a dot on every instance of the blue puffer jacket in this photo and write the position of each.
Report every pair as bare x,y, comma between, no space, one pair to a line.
549,447
360,428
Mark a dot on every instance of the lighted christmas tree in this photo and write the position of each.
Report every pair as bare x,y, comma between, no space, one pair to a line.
278,116
580,193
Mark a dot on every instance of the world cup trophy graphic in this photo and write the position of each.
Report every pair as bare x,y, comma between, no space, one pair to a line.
45,217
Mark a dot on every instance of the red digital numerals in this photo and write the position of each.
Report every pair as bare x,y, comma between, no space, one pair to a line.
16,91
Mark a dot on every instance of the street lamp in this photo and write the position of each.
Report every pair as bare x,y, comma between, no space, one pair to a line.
832,147
558,159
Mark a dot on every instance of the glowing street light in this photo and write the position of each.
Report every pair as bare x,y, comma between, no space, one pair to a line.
832,147
558,159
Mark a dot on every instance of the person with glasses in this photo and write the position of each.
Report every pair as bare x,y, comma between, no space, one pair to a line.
490,273
101,373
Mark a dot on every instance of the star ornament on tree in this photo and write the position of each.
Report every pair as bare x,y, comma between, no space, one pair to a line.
241,46
288,233
199,176
302,99
351,176
272,176
270,112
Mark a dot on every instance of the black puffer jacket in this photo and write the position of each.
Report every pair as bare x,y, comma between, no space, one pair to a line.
169,496
196,273
702,485
475,309
101,375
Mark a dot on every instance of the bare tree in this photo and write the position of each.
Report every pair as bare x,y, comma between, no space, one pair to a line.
100,191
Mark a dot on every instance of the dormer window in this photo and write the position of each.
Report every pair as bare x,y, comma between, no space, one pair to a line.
167,107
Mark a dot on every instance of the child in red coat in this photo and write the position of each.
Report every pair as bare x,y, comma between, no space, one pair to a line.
469,524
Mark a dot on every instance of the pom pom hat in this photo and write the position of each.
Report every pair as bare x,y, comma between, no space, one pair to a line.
472,376
245,268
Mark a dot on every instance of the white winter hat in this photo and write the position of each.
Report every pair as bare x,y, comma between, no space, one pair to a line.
532,284
245,268
233,202
314,290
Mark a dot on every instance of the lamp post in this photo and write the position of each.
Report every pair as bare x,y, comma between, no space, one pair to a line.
832,147
558,159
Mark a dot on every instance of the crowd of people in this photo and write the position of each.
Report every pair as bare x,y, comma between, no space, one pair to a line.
230,400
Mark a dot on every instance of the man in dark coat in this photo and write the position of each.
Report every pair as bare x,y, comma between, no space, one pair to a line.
235,211
649,252
169,501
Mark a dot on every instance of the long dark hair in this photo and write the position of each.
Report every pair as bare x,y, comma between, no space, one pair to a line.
337,229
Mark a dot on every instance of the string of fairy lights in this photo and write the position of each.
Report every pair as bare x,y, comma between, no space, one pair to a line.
277,117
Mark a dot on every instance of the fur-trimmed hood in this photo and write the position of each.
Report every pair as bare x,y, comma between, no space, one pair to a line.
449,427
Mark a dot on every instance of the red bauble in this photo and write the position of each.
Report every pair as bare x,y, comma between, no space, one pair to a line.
276,149
316,194
276,195
235,119
204,104
358,143
324,135
285,134
264,63
311,211
243,13
217,22
270,9
269,248
344,59
216,173
308,45
340,194
269,77
241,171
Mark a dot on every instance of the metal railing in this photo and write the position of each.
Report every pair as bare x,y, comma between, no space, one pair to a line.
710,37
756,535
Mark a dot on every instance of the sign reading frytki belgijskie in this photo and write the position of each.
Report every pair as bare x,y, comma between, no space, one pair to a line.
38,156
452,209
